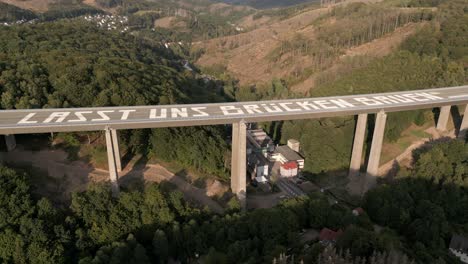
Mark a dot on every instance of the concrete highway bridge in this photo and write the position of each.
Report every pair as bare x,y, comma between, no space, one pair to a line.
111,119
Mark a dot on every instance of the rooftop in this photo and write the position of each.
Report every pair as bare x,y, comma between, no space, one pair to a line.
259,137
289,165
288,153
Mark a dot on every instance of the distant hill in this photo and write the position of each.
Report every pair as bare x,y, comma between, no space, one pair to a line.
10,13
32,5
293,44
264,4
74,64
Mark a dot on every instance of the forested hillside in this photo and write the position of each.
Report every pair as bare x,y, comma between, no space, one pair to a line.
201,19
435,56
426,204
264,4
10,13
67,64
64,61
74,64
416,215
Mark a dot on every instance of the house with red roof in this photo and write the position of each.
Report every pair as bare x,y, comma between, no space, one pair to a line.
289,169
328,236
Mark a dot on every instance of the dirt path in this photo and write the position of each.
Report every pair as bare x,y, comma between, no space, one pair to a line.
64,177
406,157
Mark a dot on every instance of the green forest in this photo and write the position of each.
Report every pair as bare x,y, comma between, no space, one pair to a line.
69,63
436,56
63,61
416,215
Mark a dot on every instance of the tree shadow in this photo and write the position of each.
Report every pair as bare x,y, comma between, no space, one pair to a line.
393,172
416,153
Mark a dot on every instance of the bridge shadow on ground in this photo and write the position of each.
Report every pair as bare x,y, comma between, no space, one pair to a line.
140,172
52,174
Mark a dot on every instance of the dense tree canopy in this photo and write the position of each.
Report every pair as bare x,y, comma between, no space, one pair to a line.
74,64
30,230
64,64
428,203
146,226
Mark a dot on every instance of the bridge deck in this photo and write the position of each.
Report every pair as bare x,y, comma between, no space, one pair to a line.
133,117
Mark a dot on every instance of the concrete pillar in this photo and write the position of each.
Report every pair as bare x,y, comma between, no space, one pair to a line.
112,162
443,118
239,160
10,142
115,142
376,148
464,125
234,157
358,145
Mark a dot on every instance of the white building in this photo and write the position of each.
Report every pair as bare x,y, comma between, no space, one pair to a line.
285,154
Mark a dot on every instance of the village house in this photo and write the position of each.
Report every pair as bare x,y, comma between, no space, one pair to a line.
287,156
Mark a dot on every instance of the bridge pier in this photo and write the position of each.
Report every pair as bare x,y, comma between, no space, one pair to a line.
115,142
10,142
358,145
376,148
113,159
238,162
464,125
443,118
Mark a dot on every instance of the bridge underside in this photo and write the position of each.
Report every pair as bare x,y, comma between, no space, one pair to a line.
238,114
373,164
